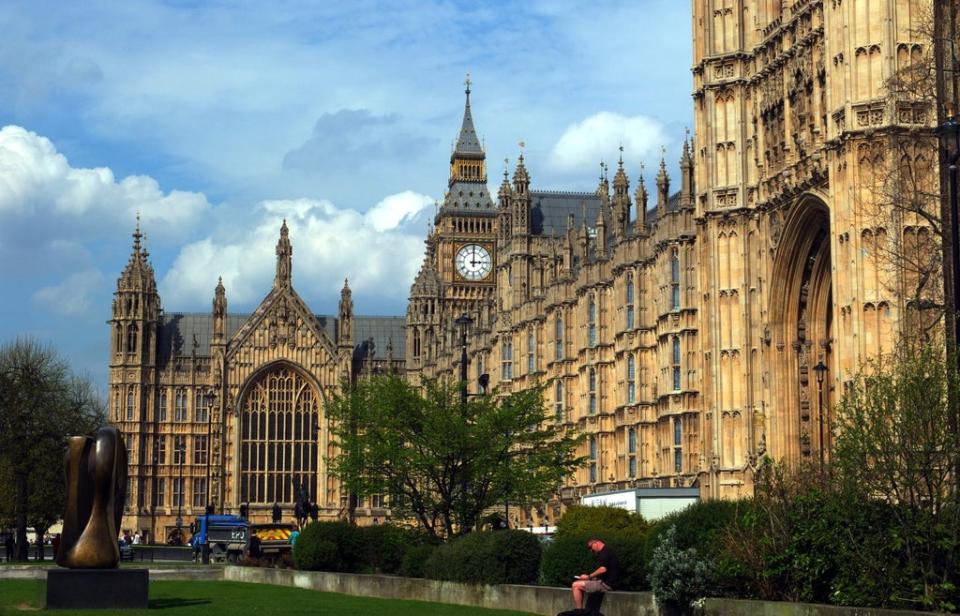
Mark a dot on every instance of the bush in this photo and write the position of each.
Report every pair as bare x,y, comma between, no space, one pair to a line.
568,556
317,555
383,546
312,553
810,540
704,525
581,520
415,560
623,531
678,576
502,557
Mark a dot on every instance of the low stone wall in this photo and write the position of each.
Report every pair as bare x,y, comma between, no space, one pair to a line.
27,572
743,607
533,599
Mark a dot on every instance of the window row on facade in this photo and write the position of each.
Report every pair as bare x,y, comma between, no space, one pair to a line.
177,407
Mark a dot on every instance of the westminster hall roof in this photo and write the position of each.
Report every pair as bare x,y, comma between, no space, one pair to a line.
186,333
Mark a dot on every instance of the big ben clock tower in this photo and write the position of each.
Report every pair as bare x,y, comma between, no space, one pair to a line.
466,225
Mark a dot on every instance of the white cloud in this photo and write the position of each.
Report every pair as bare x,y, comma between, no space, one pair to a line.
73,296
379,252
36,179
396,209
584,144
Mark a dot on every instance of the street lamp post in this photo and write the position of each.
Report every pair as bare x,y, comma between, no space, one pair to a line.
949,133
205,551
182,450
821,371
463,321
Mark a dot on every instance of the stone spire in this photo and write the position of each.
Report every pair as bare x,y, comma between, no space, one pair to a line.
584,239
284,258
135,309
345,321
468,165
621,201
686,173
663,183
503,203
568,254
467,143
503,195
521,179
219,311
601,239
641,199
138,274
520,201
603,187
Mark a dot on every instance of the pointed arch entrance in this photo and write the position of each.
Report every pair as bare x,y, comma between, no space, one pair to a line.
279,417
801,319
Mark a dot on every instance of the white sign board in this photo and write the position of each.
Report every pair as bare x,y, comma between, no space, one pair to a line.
626,499
651,503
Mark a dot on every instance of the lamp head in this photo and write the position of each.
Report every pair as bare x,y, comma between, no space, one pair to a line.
821,370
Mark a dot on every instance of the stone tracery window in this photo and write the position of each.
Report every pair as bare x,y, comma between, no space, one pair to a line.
279,423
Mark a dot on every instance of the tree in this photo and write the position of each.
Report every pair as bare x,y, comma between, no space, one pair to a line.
895,445
443,462
41,404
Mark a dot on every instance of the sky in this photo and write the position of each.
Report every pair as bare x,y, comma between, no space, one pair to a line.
216,120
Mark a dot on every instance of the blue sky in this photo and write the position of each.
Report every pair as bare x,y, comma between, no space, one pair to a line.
215,120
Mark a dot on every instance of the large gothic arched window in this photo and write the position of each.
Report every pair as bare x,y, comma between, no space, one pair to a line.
279,424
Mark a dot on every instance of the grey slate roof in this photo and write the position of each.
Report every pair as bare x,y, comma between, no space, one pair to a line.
549,210
382,330
468,196
178,331
468,144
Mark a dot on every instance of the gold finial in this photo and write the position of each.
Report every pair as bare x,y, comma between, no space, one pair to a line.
467,83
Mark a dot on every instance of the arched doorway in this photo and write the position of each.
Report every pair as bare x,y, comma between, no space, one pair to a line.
801,319
279,416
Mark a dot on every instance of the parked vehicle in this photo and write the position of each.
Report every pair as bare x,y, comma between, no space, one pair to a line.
274,538
228,535
126,551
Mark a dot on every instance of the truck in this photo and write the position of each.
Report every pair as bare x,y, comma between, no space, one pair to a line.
274,539
228,536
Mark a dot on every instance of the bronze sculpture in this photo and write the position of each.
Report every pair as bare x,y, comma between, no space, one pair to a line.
96,491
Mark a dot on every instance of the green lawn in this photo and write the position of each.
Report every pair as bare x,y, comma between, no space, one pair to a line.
239,599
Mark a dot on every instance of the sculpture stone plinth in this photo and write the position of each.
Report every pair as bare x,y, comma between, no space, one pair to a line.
94,589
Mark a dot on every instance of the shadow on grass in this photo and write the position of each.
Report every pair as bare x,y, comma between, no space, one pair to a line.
162,604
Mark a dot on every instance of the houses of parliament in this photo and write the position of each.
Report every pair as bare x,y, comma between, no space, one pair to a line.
687,326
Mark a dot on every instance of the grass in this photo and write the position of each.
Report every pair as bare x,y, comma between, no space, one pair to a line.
240,599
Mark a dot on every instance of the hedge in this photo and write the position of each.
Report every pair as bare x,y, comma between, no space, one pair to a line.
500,557
580,520
339,546
568,556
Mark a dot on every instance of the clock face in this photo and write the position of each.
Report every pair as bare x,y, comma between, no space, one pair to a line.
474,262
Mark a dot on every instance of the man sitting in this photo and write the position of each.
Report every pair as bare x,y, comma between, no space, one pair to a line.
604,578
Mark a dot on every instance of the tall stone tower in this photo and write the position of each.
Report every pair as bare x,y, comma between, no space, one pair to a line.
465,226
133,342
801,139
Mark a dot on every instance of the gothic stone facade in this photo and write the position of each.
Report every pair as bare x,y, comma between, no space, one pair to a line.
683,339
680,336
228,409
